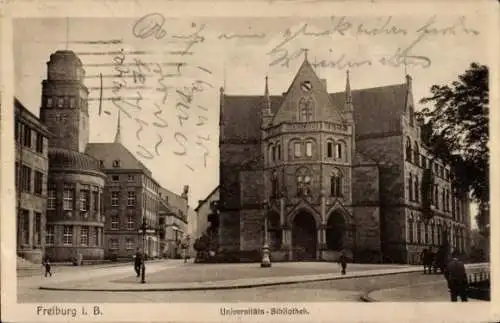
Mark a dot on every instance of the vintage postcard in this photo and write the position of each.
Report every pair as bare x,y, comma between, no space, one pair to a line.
253,161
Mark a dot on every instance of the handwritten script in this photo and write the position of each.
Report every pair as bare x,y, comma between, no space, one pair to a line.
176,107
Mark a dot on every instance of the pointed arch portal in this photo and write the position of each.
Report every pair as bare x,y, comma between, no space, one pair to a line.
304,236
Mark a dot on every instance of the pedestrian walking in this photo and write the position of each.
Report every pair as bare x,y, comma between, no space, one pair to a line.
47,265
456,278
343,261
138,262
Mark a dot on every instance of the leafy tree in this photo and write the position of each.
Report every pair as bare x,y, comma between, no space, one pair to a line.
457,125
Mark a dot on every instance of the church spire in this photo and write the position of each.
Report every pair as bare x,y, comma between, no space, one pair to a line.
267,98
348,94
118,137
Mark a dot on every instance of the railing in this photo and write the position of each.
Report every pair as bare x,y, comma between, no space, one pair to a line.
478,278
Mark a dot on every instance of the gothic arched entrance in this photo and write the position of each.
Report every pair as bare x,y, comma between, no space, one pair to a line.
336,231
304,236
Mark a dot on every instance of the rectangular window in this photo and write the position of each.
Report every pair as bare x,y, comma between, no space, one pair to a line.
115,222
39,143
38,183
68,194
68,235
95,195
27,136
129,244
131,198
49,235
338,151
26,178
113,244
115,178
115,198
38,229
84,236
60,102
50,102
51,198
130,222
84,200
131,178
309,148
18,171
298,149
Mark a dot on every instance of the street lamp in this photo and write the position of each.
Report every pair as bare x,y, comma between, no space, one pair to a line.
266,260
144,226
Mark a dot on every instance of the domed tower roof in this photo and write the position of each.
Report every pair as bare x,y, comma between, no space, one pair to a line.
70,159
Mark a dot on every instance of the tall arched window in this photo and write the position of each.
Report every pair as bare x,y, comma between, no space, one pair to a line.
417,192
419,231
279,151
410,230
329,149
303,176
339,151
408,149
309,149
410,187
270,152
306,109
416,154
336,183
274,153
274,185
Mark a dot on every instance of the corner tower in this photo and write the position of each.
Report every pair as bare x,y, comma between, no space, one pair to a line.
64,108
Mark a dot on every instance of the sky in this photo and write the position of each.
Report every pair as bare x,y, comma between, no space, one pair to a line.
236,53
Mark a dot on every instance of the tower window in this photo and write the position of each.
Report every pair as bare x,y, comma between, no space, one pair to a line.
297,149
60,102
50,102
338,151
279,151
329,149
309,149
336,183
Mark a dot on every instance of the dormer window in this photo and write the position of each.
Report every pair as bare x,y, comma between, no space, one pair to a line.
101,163
116,163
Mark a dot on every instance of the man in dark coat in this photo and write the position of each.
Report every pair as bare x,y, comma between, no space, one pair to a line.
343,261
456,277
138,262
47,265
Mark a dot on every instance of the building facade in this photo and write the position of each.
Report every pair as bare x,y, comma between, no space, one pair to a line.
329,172
75,186
131,196
31,151
173,221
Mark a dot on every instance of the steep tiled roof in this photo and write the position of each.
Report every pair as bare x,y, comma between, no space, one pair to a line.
376,110
109,152
174,202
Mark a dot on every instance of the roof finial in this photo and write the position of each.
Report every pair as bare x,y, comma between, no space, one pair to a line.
118,137
267,98
348,94
305,53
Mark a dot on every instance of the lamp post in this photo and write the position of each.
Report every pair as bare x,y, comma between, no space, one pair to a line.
266,260
144,226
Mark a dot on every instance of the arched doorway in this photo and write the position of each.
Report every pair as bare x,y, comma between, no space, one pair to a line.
336,232
304,236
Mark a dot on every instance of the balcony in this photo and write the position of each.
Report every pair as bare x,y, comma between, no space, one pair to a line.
320,126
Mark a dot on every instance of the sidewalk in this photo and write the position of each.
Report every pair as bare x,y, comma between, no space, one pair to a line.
117,286
434,291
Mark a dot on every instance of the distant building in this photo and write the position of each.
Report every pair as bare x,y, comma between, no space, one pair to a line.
75,182
173,216
31,141
333,171
131,195
204,213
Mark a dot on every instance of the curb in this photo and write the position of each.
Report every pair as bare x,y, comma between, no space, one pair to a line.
222,287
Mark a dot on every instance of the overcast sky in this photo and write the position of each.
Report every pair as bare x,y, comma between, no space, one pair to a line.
217,59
